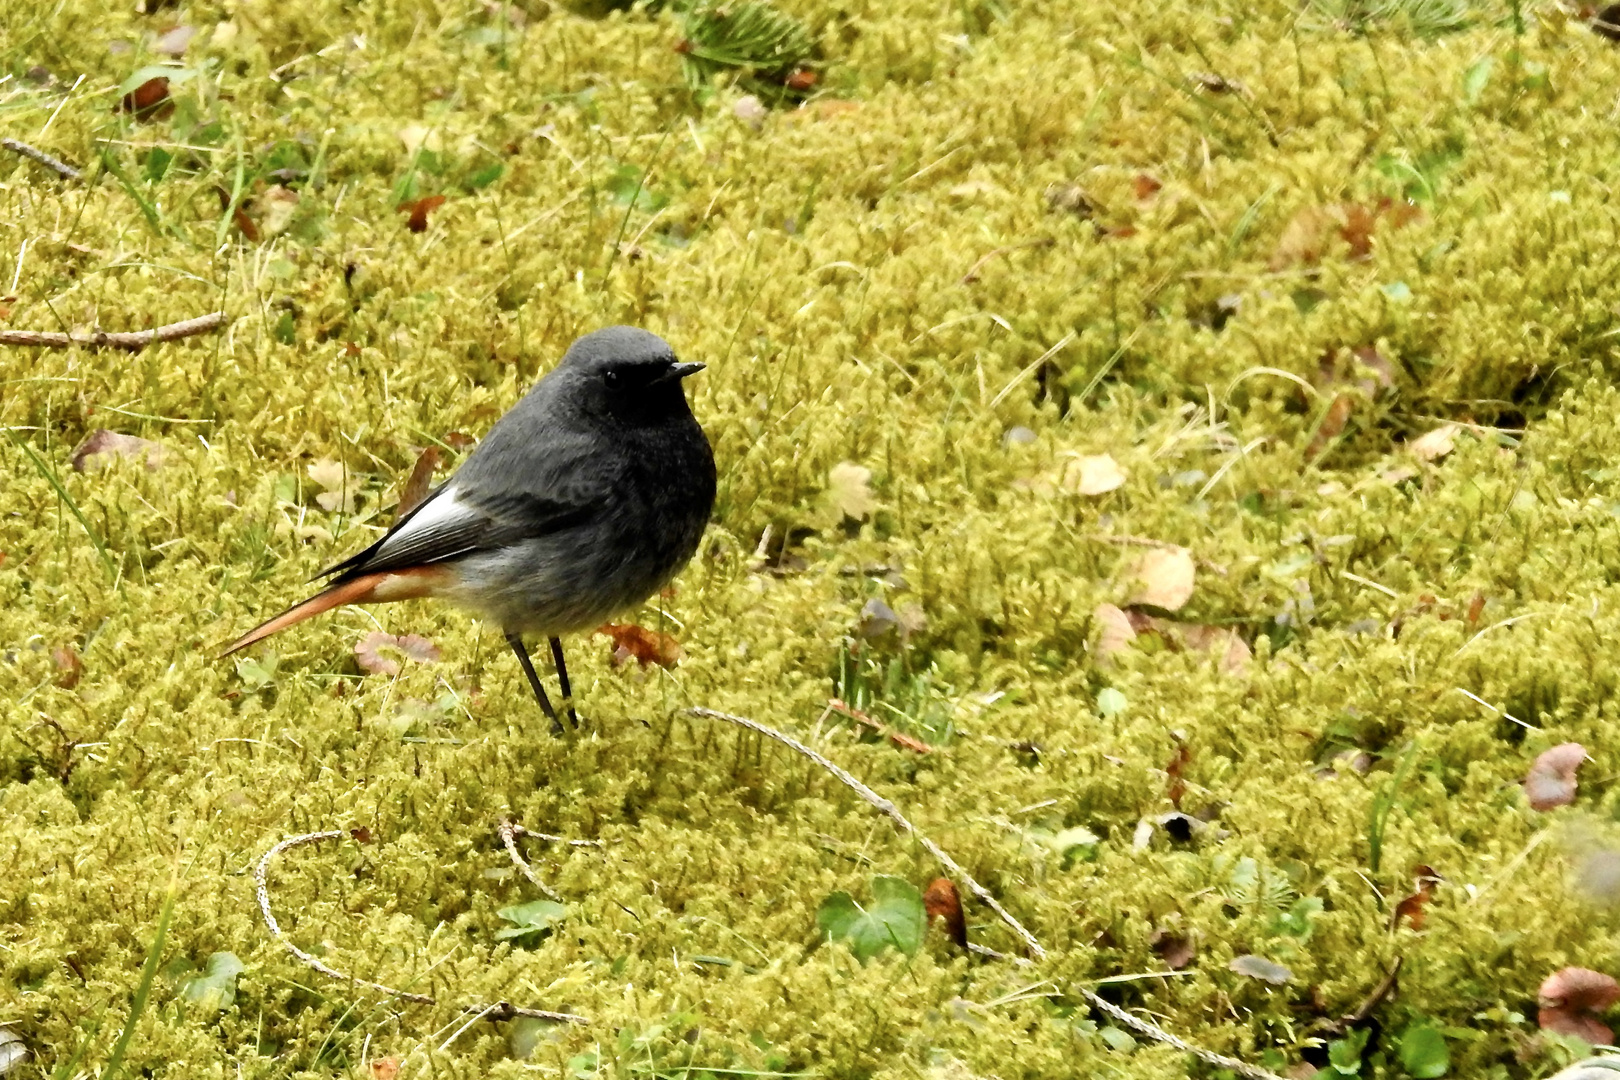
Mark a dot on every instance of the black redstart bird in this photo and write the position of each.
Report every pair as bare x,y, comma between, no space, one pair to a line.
583,500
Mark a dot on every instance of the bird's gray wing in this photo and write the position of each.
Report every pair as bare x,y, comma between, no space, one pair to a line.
458,519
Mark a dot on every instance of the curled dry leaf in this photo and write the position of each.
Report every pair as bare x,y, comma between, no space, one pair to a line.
1094,474
631,642
369,655
1258,967
385,1068
1115,632
274,209
1550,783
1412,908
1176,786
1163,578
1435,444
942,901
1570,1000
419,211
69,668
849,487
1304,239
421,479
101,448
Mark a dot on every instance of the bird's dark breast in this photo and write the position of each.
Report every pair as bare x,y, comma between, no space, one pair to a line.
671,487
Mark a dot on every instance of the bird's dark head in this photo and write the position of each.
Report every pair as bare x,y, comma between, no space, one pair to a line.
627,372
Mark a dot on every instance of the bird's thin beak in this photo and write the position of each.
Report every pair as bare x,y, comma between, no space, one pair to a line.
681,371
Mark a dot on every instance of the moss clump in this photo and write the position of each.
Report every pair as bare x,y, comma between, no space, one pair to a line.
995,237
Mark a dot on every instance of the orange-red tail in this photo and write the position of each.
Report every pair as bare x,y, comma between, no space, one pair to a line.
385,585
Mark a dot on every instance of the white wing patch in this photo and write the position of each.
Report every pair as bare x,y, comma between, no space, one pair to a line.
445,510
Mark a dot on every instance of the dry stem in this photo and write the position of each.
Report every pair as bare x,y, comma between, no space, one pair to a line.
137,339
53,163
500,1010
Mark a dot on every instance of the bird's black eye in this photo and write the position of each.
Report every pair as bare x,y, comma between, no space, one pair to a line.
613,380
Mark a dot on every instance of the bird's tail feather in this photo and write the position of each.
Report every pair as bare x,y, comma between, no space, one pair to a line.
384,585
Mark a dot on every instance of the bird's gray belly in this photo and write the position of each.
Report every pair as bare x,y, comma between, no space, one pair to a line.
569,581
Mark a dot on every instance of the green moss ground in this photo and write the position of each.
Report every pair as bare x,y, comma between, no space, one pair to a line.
817,265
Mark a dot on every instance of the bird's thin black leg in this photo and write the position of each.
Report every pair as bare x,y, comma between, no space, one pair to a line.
516,641
562,679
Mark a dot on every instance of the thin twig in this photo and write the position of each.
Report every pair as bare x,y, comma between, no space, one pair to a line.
509,834
138,339
995,253
1153,1031
889,810
500,1010
53,163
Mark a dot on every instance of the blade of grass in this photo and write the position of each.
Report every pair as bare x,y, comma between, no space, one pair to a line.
143,992
149,211
62,493
1383,803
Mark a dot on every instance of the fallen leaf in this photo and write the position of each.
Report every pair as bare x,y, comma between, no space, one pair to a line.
1163,578
101,448
1115,630
1145,186
1435,444
1570,1000
150,100
1258,967
69,668
1476,607
1412,908
13,1051
1090,475
801,80
1233,652
631,642
1176,950
1332,425
1070,198
275,207
942,901
849,489
385,1068
368,651
361,834
419,210
1303,238
1215,84
174,41
1550,783
340,486
421,479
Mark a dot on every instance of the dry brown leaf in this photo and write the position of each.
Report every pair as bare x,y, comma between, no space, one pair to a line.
631,642
849,489
942,901
385,1068
69,668
101,448
1177,786
368,651
1412,907
419,211
1163,578
149,101
1093,474
1116,632
1435,444
421,479
1570,1000
1550,783
1145,186
1176,950
1303,238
